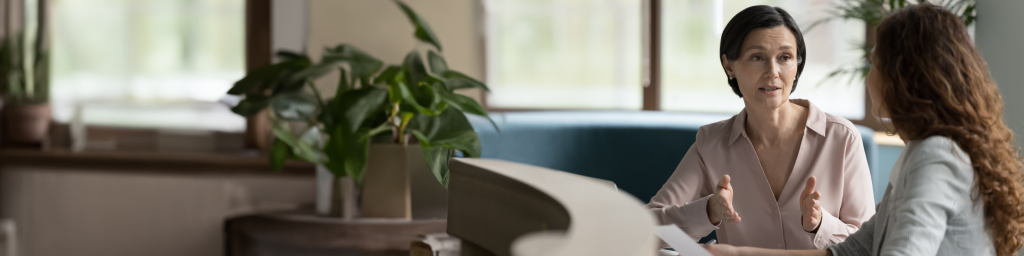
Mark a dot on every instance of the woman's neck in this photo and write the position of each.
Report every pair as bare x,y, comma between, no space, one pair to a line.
774,126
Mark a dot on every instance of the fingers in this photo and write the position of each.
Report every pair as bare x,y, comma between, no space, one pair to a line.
811,202
808,187
726,202
725,182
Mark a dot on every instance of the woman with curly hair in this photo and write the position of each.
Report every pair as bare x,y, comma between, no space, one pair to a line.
956,189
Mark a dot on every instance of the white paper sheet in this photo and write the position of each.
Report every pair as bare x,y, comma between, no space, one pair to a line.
679,241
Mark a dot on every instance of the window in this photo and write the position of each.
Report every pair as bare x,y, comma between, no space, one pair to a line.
692,76
568,54
579,54
163,52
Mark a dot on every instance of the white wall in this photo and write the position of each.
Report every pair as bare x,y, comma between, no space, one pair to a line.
1000,37
134,212
289,25
379,28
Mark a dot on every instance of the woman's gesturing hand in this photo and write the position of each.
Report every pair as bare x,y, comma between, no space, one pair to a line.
720,204
810,207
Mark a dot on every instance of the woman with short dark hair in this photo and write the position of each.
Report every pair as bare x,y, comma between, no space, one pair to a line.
767,161
956,188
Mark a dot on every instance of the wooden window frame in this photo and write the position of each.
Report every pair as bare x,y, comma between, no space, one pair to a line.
258,40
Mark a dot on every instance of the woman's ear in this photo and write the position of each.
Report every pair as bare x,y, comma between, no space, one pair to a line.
727,65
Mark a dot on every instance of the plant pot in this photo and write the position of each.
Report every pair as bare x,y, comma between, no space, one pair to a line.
336,196
398,184
26,124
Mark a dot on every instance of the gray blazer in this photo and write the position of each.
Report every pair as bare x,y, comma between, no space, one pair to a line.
927,208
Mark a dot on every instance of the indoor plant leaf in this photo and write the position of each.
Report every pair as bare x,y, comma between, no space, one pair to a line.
415,71
278,154
388,75
458,80
409,100
251,105
466,104
437,158
363,65
286,55
400,92
300,148
451,131
265,77
350,152
423,31
437,63
356,105
294,105
347,144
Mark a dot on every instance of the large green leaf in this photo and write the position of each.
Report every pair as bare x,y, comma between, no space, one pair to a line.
349,153
437,63
408,99
450,130
316,71
363,65
388,75
348,144
427,96
278,154
301,149
466,104
294,105
356,105
415,71
437,159
251,105
265,77
287,55
423,31
458,80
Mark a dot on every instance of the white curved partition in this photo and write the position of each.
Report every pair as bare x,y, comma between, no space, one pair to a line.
511,209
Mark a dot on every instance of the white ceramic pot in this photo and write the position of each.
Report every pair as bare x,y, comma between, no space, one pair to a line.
334,200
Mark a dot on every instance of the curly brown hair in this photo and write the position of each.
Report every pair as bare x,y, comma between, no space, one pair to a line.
936,83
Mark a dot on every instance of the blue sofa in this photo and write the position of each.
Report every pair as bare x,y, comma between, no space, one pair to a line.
638,150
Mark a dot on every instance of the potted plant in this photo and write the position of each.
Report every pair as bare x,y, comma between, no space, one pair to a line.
871,12
25,72
413,102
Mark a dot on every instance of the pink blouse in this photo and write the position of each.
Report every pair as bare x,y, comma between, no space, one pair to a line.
831,150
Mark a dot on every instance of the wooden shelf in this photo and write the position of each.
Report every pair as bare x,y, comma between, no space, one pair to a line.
242,162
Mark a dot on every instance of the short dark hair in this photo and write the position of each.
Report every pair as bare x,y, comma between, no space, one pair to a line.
755,17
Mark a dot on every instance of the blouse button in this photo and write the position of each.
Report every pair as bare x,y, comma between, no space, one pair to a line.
780,245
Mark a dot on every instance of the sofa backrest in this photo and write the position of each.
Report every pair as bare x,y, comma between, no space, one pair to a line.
637,150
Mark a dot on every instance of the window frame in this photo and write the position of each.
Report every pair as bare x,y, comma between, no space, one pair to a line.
651,68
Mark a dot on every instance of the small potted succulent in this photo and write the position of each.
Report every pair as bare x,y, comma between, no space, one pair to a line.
24,67
377,108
